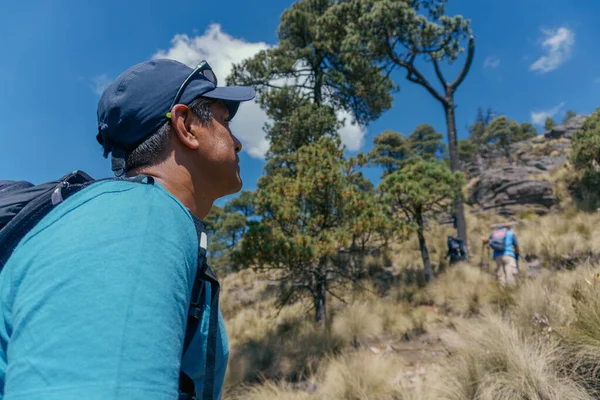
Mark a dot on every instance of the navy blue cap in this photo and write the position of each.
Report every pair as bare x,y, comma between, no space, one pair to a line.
137,102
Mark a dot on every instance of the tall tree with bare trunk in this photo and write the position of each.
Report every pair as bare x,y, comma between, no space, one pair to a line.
397,34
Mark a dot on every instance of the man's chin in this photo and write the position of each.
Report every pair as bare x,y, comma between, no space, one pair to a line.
235,187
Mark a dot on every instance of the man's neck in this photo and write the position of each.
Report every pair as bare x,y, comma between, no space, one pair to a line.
180,184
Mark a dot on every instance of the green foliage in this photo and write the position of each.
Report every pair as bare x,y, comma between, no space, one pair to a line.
549,124
232,227
416,191
499,131
225,227
477,131
388,29
586,190
425,142
586,144
585,157
297,121
311,62
391,34
422,186
526,131
213,219
243,204
467,149
568,115
390,151
316,225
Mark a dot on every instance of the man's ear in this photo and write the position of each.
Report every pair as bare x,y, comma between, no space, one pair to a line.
182,120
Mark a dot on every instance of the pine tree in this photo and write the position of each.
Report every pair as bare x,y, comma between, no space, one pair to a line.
390,151
549,124
425,142
568,115
392,35
316,227
418,190
242,203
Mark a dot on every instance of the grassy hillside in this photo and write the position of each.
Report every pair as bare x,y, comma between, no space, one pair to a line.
462,337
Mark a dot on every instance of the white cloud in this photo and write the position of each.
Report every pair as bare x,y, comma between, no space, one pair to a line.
539,117
557,47
100,83
491,62
222,50
352,135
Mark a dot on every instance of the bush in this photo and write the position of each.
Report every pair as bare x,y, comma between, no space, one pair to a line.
585,156
586,143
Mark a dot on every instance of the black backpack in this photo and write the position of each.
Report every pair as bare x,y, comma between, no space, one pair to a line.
23,205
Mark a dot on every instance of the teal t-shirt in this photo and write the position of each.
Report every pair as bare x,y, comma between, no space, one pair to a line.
94,300
510,241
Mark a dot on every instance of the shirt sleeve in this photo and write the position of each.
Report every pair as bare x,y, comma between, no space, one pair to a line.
514,240
101,301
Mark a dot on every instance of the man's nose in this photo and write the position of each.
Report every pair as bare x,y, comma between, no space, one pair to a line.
238,144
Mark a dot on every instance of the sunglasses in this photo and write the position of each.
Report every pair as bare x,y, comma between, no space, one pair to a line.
205,70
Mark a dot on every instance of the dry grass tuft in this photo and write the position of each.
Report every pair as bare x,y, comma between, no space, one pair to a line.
543,305
284,346
360,376
357,321
555,238
269,391
582,336
462,290
493,360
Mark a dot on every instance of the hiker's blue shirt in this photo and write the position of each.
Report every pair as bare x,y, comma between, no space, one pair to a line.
94,300
510,241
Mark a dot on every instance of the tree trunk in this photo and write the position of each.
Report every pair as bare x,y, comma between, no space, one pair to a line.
319,301
423,247
461,223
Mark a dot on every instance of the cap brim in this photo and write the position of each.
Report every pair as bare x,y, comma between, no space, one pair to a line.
231,93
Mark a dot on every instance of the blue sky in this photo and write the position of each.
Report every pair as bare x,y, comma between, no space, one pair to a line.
533,58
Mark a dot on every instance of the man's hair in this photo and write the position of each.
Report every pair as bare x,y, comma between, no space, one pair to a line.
154,149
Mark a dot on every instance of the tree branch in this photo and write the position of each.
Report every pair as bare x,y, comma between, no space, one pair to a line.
438,72
336,296
420,79
467,66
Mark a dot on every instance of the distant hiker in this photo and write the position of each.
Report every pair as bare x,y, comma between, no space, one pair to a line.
503,242
456,250
109,296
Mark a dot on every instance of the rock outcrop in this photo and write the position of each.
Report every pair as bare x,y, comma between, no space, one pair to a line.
509,186
568,129
510,189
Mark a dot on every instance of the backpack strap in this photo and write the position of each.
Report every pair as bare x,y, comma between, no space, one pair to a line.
204,274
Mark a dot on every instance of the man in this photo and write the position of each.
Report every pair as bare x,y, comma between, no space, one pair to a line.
456,250
94,300
506,252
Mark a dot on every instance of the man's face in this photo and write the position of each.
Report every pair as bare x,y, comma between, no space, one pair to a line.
218,153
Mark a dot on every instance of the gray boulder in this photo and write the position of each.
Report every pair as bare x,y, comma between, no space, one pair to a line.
567,130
